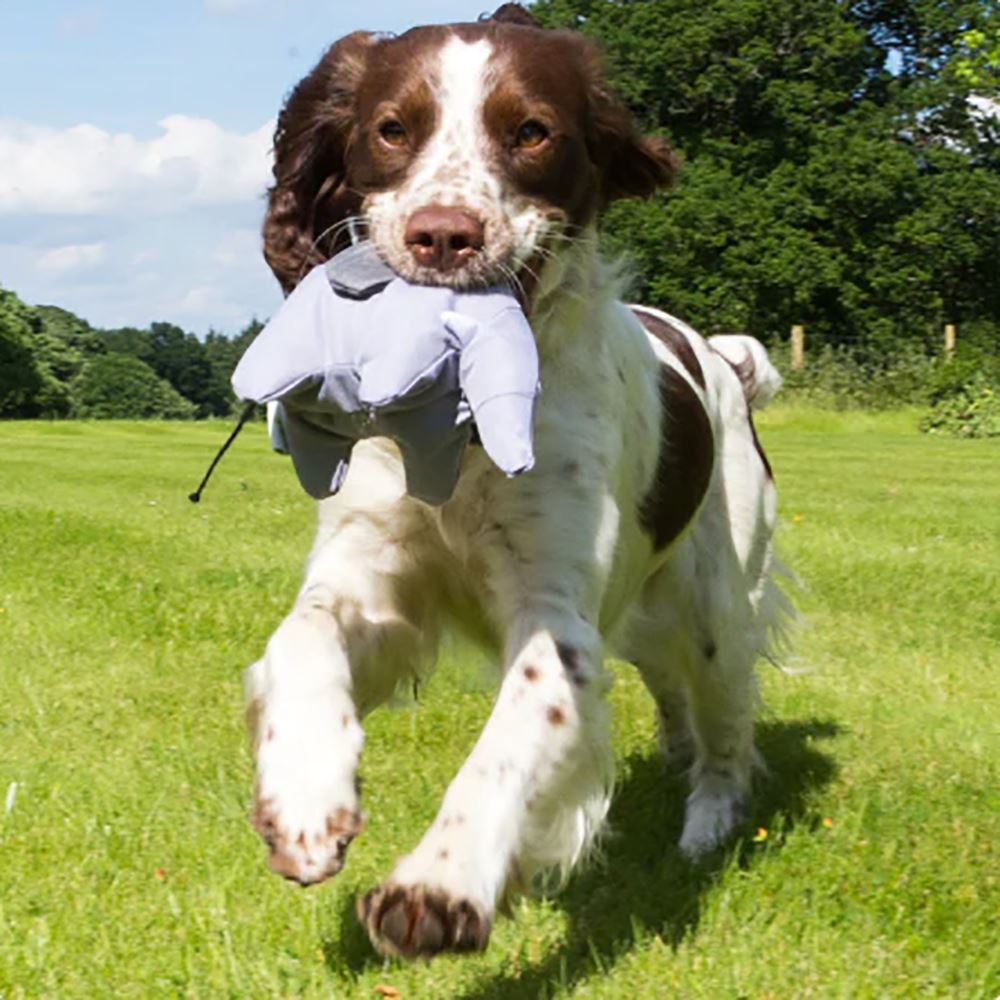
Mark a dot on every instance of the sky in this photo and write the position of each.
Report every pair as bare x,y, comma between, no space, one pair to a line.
135,147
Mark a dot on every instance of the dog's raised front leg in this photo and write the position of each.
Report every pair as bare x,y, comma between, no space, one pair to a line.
533,790
350,638
535,786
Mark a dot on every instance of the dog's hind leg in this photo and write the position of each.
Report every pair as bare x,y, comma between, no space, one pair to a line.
659,643
722,694
359,627
693,642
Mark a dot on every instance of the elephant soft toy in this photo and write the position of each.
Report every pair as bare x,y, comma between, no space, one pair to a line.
355,352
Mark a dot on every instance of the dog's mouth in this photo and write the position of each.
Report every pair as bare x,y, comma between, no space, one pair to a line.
477,273
475,269
458,247
451,246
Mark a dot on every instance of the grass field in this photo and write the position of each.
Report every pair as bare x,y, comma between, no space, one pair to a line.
127,868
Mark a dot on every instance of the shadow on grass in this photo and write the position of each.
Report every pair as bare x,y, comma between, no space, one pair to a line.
351,951
643,884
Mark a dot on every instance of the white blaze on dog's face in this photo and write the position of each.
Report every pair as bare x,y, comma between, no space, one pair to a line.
448,220
458,214
476,146
472,151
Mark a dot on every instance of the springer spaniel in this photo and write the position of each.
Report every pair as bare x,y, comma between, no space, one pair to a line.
471,154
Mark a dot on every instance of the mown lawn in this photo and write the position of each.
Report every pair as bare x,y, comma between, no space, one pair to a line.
127,868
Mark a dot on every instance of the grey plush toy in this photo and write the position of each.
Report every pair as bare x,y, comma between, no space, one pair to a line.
357,352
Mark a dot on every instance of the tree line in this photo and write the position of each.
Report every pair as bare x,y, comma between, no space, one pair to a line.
841,170
54,364
841,167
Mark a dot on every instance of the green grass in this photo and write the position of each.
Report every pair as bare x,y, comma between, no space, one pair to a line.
127,868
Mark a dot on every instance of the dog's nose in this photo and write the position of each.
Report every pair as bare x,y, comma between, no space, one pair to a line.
443,238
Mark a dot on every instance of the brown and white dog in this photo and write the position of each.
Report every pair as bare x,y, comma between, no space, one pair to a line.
473,153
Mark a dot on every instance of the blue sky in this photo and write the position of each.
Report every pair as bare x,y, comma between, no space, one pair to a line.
134,147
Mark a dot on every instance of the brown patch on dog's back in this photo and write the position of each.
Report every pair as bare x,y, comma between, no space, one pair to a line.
684,466
675,342
745,371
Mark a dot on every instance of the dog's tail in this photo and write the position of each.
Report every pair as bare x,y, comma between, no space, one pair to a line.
748,358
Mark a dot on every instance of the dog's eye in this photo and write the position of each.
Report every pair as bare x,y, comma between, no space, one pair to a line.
530,135
392,133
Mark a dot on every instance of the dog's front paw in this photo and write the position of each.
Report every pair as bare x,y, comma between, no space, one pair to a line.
416,920
305,852
305,801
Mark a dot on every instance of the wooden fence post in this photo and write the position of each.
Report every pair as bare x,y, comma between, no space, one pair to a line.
949,341
798,347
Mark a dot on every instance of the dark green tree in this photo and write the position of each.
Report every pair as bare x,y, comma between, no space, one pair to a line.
180,358
118,386
63,344
129,340
836,172
224,352
20,376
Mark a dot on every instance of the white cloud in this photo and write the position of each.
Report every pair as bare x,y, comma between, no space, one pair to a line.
76,257
124,230
211,300
86,170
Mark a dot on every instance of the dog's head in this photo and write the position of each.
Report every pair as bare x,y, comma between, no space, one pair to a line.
465,151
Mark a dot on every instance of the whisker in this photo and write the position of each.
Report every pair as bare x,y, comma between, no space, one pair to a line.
546,252
348,222
508,272
332,231
531,271
558,238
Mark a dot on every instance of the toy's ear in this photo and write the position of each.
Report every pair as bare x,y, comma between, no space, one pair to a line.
631,165
311,193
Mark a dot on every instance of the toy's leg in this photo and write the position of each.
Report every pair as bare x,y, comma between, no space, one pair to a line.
354,633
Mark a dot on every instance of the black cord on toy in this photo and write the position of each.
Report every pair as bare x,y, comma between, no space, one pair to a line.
244,417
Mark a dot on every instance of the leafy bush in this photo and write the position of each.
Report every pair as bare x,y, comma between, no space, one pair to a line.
817,187
118,386
839,379
867,378
971,412
971,359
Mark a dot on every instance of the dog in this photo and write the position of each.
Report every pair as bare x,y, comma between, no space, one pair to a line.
471,154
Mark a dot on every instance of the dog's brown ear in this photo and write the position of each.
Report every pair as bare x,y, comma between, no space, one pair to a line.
632,165
513,13
310,193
